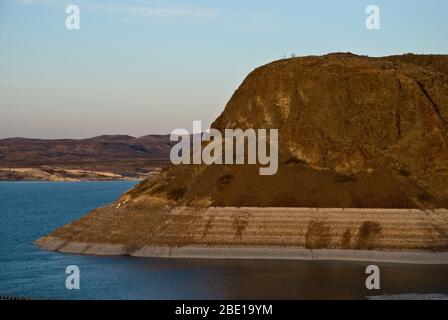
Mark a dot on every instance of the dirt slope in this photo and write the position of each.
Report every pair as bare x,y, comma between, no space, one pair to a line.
354,131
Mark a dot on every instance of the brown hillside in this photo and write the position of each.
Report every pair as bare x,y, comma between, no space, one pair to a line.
353,132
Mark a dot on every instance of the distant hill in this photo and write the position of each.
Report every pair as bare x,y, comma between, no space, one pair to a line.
120,154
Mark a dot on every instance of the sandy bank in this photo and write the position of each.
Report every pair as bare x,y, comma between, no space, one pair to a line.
261,253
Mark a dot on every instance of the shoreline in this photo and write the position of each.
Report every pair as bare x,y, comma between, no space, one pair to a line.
244,253
65,174
381,235
74,180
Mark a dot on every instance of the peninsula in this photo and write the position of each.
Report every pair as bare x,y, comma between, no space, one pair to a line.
362,174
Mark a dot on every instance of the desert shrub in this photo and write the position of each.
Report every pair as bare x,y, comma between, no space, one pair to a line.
425,197
404,173
224,181
177,193
346,239
367,233
317,235
369,228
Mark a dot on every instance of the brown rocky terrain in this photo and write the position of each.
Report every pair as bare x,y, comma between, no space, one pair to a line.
113,157
354,132
357,229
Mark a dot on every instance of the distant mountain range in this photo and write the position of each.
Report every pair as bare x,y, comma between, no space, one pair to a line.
107,157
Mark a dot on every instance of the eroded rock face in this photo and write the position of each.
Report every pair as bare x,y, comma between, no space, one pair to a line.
352,114
347,113
353,132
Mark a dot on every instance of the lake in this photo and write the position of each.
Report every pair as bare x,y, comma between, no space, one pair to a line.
29,210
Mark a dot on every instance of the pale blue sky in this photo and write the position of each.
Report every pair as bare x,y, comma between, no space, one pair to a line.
138,67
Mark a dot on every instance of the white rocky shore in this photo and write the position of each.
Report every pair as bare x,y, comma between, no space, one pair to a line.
261,253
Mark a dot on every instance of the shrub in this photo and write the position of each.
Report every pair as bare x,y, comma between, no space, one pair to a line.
177,194
224,181
366,235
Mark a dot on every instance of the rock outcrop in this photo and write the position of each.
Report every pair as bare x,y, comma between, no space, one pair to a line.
369,134
354,131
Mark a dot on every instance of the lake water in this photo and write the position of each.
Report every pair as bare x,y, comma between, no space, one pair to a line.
29,210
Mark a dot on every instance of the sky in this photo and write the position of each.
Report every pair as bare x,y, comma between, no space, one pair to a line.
143,67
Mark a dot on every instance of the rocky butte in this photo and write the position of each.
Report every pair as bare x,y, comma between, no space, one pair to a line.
362,174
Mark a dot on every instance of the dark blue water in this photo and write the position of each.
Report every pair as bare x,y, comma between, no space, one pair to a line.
29,210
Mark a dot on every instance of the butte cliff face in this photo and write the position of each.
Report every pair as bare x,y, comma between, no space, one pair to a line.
354,131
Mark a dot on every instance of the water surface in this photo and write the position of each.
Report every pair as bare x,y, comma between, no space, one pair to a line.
29,210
